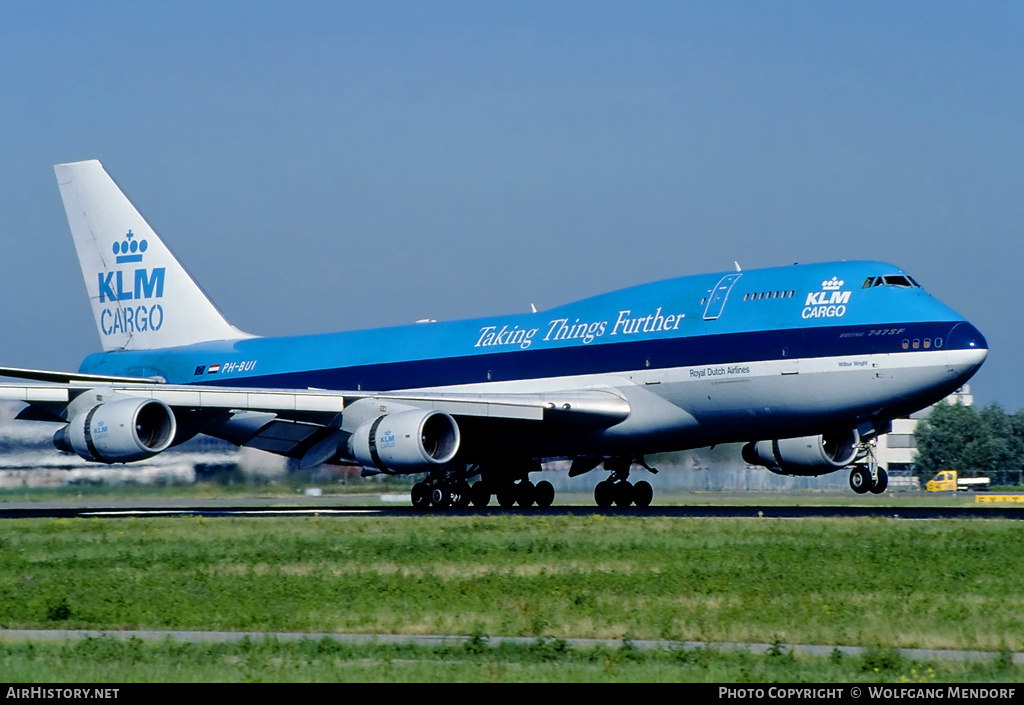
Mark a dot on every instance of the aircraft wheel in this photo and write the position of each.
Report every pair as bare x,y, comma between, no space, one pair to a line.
643,493
480,495
507,496
604,494
420,496
461,495
860,480
527,494
544,494
881,482
623,494
441,497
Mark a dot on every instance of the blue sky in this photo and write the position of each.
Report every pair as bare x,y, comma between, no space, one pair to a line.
326,166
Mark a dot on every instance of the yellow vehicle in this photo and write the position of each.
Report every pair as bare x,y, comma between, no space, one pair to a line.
948,481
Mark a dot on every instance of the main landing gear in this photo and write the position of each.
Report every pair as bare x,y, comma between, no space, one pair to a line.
441,492
861,480
618,490
523,493
452,489
510,485
623,493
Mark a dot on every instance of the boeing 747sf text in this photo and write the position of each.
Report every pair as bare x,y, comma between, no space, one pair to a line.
805,364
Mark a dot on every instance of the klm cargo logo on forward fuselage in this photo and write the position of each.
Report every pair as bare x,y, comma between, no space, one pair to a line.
121,286
830,302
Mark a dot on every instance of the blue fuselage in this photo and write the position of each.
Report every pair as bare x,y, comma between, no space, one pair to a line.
741,354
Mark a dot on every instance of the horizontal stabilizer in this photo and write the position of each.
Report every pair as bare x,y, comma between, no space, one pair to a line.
73,377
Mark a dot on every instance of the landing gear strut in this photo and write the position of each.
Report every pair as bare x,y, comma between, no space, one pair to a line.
868,476
881,482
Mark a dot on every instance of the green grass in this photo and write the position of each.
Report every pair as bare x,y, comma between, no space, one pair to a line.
877,583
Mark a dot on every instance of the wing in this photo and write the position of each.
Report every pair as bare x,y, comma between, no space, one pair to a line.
310,425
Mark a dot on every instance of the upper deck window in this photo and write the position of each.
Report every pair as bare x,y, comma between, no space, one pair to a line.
762,295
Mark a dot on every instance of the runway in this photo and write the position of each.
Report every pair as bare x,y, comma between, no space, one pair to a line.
256,511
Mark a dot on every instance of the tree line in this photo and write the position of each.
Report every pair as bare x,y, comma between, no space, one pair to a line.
987,442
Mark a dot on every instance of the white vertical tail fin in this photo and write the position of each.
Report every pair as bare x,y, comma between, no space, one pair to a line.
141,296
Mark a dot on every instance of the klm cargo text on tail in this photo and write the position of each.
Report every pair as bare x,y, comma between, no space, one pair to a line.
147,284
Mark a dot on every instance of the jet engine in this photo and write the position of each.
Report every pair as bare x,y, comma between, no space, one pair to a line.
417,440
809,455
119,431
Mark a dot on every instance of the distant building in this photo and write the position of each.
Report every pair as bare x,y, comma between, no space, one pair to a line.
897,450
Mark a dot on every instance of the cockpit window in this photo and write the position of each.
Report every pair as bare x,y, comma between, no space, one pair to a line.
901,280
898,280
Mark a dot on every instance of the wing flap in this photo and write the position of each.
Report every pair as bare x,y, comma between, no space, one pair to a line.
40,395
285,438
474,407
596,407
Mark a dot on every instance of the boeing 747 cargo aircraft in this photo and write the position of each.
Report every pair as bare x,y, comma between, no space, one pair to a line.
805,364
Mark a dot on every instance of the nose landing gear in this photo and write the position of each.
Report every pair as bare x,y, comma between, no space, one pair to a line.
862,482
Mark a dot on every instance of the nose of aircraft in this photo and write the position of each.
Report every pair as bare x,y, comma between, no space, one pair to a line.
970,348
964,336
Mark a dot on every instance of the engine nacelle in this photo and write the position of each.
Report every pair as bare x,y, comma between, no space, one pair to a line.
406,442
809,455
119,431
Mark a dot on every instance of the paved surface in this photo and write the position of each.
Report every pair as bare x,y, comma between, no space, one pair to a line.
60,635
334,506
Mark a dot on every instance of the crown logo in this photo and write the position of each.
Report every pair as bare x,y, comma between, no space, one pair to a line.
130,250
832,285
